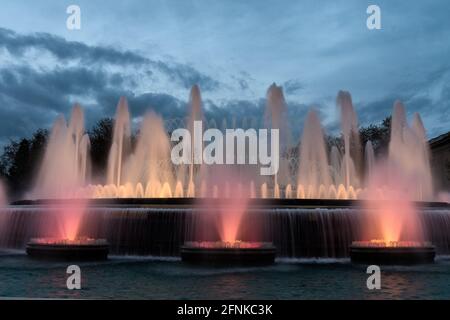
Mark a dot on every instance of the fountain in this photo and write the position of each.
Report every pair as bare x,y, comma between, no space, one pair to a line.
324,197
65,169
225,214
397,234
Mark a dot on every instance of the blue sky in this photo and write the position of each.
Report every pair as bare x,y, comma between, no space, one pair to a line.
153,51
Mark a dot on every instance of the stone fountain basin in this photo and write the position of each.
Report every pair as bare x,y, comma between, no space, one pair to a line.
331,203
229,256
68,251
407,255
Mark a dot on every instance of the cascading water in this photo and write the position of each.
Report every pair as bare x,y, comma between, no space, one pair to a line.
296,232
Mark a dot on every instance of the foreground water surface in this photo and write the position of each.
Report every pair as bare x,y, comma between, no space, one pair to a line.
155,278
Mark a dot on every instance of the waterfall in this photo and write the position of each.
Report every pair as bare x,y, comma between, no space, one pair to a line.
296,232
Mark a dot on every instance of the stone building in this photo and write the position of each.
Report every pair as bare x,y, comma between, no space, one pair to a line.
440,161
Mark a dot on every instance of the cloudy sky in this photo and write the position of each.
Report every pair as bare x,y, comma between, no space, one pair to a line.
154,51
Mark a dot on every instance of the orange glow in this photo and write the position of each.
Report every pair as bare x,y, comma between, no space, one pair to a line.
378,243
58,241
224,244
231,204
393,216
71,215
231,211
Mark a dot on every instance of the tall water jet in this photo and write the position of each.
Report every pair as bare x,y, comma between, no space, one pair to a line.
192,177
65,166
276,117
3,194
121,143
335,165
349,125
150,163
313,169
408,149
425,177
369,156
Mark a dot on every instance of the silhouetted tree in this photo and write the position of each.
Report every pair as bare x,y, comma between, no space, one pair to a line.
101,138
20,161
379,135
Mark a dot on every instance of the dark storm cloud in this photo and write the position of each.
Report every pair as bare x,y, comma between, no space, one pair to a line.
18,44
292,86
33,92
377,111
165,105
18,120
186,76
50,90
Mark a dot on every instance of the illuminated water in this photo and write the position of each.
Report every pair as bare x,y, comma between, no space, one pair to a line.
320,171
146,278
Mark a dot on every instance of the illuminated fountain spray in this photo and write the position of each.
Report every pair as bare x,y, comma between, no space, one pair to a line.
394,183
369,157
408,149
349,124
66,164
65,169
121,144
393,225
319,170
276,117
149,166
314,179
197,171
225,212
